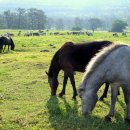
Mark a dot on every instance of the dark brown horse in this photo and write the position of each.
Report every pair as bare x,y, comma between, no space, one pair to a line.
73,57
6,41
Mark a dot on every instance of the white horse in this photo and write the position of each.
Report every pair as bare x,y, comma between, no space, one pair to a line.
112,65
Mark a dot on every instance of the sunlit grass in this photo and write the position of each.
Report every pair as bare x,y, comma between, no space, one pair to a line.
25,101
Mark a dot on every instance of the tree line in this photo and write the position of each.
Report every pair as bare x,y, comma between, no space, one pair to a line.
36,19
23,19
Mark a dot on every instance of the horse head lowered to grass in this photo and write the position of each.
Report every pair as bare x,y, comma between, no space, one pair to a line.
73,57
111,65
6,41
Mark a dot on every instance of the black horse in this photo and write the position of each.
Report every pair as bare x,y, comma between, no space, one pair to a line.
73,57
6,41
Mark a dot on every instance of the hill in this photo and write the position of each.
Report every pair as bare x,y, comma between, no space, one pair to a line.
70,8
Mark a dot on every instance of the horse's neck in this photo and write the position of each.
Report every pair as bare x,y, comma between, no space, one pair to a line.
55,71
54,68
95,81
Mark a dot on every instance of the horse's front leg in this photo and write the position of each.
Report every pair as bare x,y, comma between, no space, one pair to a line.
114,93
8,47
126,91
64,84
4,48
104,95
72,80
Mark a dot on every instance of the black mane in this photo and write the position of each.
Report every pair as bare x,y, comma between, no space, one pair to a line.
54,64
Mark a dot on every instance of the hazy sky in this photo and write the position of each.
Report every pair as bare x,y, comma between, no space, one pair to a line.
69,3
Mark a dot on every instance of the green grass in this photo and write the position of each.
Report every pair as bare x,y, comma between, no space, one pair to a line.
25,101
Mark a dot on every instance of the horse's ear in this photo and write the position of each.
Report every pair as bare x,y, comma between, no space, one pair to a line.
46,73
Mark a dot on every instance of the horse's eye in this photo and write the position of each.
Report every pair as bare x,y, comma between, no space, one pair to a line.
81,92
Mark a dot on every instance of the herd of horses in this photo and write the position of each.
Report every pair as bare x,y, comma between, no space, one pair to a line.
102,62
47,32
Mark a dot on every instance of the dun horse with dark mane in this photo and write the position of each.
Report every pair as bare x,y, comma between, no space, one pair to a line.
73,57
6,41
111,65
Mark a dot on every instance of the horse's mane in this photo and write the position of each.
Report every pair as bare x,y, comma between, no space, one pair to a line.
54,62
92,42
99,58
70,46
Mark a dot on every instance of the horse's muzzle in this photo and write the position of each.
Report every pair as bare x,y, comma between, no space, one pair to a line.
86,113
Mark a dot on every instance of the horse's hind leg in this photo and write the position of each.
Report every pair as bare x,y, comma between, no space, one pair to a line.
8,47
4,48
1,48
104,95
114,93
126,91
64,85
73,85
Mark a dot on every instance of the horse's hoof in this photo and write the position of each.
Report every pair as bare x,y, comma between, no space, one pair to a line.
74,98
101,99
107,118
60,95
127,121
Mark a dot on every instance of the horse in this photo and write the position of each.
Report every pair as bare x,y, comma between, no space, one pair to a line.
89,33
35,34
115,34
28,34
73,57
112,64
6,41
124,34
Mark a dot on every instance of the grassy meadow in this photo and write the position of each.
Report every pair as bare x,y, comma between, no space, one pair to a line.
25,101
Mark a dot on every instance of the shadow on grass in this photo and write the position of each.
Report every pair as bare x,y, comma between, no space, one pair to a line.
22,50
66,116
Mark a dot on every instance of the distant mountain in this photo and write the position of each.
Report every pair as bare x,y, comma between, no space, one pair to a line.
92,8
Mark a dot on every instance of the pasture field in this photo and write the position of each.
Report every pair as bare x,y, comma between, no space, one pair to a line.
25,101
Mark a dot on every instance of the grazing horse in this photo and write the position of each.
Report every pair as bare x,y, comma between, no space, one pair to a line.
124,34
73,57
111,65
89,33
115,34
35,34
6,41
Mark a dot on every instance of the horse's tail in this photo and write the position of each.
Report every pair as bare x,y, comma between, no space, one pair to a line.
12,44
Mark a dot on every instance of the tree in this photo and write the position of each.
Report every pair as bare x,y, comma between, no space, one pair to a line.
21,18
3,24
49,23
37,19
77,22
59,24
8,17
76,28
95,23
119,26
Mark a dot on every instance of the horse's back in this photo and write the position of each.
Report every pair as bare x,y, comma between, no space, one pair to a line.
122,59
78,55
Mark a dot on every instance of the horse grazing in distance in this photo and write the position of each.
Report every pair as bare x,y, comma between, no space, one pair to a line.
6,41
111,65
73,57
124,34
89,33
115,34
